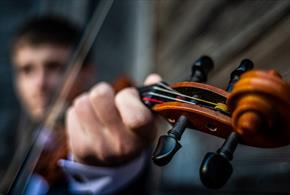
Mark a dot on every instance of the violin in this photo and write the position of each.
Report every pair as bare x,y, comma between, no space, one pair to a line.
253,110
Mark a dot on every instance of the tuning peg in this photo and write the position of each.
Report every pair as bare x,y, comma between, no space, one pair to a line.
169,144
216,169
244,66
166,148
200,69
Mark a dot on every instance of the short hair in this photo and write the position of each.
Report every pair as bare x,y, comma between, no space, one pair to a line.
46,29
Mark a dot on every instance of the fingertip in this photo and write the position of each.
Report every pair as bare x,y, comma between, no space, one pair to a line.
101,91
80,100
152,78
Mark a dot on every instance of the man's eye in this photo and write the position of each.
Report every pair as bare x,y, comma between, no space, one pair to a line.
25,70
54,66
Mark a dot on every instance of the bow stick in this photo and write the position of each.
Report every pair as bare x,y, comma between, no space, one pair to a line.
56,109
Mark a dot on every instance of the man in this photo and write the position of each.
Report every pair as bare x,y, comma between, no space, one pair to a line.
108,134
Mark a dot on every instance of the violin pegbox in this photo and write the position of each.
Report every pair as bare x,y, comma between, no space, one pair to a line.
158,98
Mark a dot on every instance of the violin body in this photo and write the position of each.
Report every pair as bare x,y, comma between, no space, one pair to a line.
55,149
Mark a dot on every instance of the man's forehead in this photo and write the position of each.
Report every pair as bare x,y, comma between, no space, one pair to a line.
37,53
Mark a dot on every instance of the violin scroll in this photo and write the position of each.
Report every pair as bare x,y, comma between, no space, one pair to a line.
261,109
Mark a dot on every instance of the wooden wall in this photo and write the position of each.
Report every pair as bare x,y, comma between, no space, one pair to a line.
226,30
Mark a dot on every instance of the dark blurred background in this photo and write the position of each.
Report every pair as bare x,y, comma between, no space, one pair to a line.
166,36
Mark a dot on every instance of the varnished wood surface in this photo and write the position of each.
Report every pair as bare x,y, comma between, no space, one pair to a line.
259,104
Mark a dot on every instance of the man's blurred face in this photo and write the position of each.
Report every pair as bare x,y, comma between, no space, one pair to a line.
38,71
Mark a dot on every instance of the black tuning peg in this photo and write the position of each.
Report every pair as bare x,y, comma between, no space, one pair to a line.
244,66
216,168
169,144
201,68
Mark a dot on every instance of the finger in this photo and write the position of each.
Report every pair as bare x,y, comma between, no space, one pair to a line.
86,115
102,100
134,113
86,147
74,133
152,78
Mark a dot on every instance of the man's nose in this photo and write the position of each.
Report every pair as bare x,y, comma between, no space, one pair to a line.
41,80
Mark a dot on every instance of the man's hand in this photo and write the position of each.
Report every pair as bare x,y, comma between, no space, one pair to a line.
108,129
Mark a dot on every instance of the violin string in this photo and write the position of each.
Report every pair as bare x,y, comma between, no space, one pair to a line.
170,98
174,92
166,86
178,100
216,108
174,98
